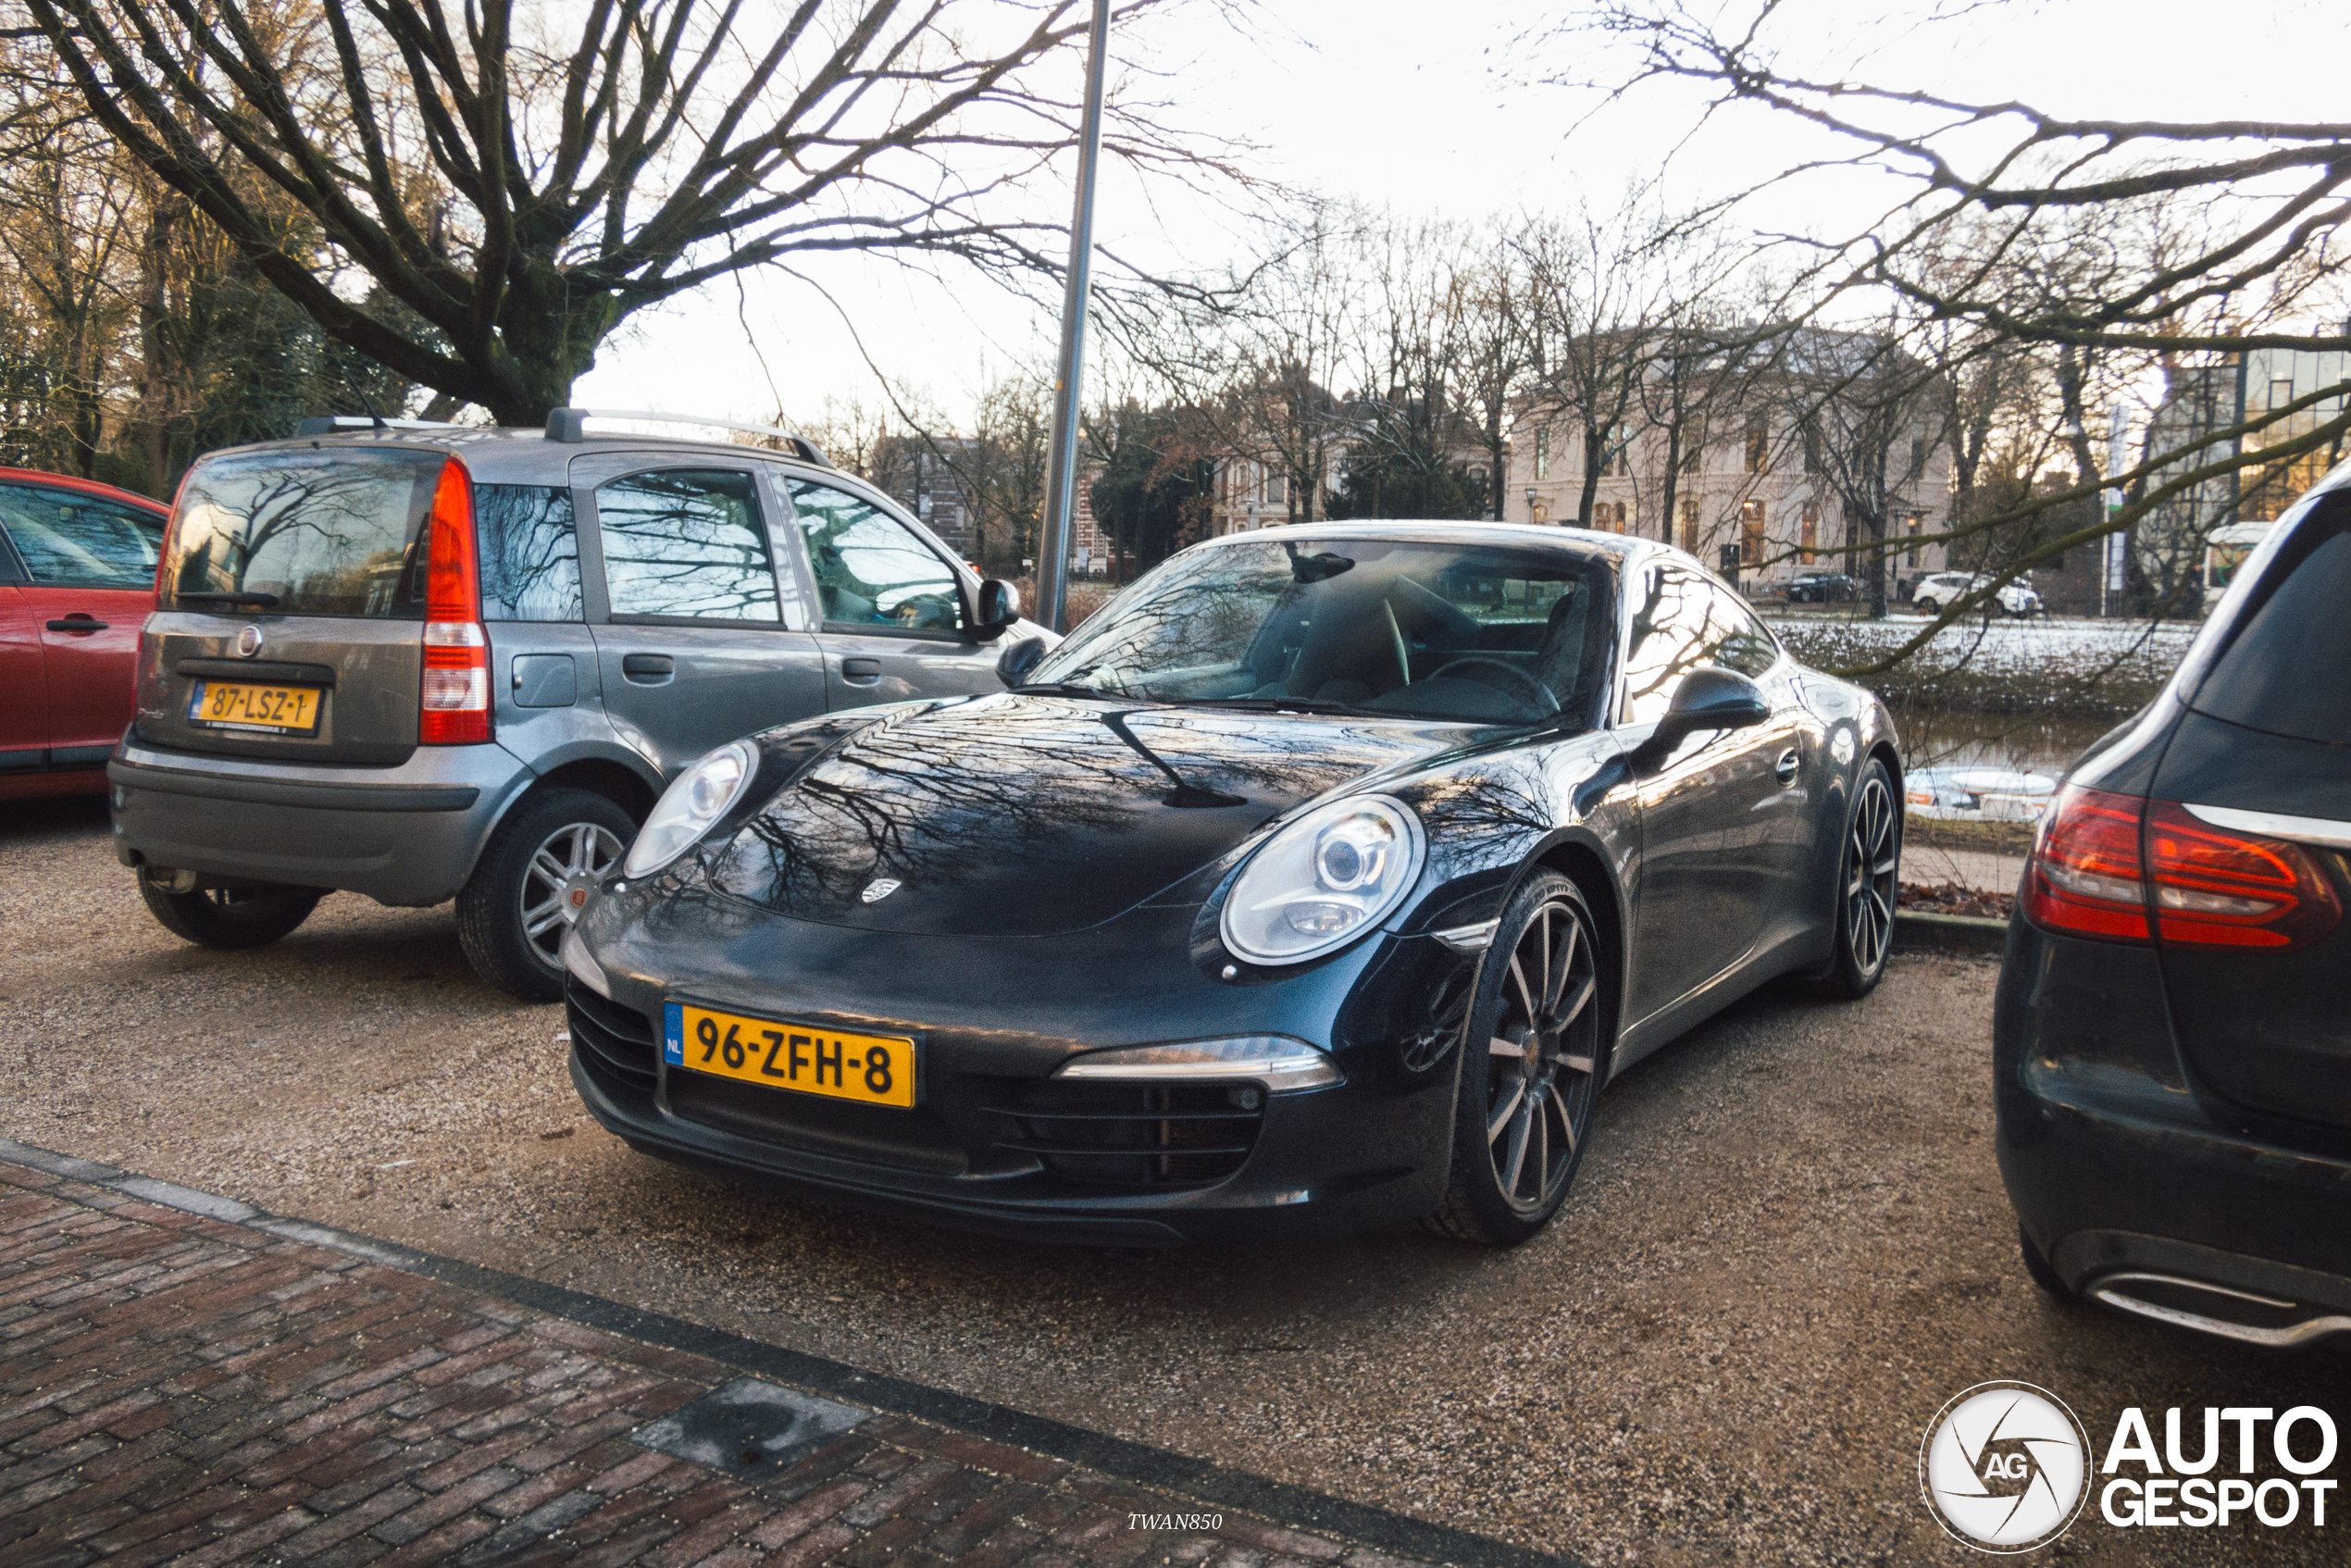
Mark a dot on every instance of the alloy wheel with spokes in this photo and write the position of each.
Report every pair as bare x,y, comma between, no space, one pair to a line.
534,879
1530,1076
564,870
1869,871
1872,860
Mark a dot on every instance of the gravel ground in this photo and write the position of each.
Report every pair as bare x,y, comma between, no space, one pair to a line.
1788,1249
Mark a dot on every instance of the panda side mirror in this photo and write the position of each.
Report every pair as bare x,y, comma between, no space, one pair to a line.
996,607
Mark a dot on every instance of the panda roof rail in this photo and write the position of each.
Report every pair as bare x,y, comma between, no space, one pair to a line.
332,424
570,425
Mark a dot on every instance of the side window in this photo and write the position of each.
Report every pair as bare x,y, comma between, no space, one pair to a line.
686,543
1735,640
529,550
67,538
870,571
1670,625
2286,670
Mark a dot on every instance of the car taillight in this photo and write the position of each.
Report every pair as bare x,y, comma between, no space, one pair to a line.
2215,887
2105,865
455,707
2085,876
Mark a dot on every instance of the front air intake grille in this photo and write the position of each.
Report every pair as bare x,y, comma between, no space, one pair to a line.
1135,1134
617,1043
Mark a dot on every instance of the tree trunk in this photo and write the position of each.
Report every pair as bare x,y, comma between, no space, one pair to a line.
1595,460
1672,478
1874,525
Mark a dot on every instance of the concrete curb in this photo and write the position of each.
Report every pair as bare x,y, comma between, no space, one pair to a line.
1919,931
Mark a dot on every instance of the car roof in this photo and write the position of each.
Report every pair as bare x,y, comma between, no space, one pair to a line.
1443,530
509,454
87,487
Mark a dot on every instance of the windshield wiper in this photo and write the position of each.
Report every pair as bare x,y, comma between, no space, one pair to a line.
1274,705
266,601
1062,689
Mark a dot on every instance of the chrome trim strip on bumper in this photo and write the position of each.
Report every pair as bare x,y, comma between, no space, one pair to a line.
1469,938
2280,1337
2276,825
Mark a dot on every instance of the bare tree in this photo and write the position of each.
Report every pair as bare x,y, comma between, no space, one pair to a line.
1254,357
521,179
2244,253
1599,321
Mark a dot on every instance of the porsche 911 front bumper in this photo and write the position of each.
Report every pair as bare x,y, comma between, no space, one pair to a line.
996,1141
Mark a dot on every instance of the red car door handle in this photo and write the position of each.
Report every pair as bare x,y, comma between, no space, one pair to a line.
78,623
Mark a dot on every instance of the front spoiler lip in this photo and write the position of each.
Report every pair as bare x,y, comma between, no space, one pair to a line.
1129,1219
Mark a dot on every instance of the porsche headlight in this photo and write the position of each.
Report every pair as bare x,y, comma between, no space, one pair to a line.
1324,881
701,795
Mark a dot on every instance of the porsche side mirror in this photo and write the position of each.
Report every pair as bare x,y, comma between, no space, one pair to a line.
1018,658
1707,699
997,606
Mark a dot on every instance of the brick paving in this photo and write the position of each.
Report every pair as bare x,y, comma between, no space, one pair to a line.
176,1389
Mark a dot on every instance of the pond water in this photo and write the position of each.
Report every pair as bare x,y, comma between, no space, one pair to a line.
2005,740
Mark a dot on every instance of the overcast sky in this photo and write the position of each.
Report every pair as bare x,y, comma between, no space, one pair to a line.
1424,108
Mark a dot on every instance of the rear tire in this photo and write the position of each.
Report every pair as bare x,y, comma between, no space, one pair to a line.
229,918
2039,1268
514,910
1531,1061
1867,883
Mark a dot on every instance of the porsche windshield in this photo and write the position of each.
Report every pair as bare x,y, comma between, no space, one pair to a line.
1424,630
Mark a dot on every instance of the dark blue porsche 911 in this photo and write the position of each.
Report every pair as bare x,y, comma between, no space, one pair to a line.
1317,883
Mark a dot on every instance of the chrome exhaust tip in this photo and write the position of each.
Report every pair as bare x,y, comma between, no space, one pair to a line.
2221,1310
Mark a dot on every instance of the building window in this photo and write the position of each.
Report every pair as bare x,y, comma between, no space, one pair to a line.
1623,519
1542,454
2281,394
1621,457
1277,490
1689,525
1694,448
1758,444
1808,529
1750,533
1918,454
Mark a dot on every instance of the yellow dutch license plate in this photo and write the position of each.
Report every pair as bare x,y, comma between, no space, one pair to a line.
874,1069
274,710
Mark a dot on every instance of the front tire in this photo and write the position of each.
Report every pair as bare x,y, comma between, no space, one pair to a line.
229,918
533,880
1530,1068
1868,884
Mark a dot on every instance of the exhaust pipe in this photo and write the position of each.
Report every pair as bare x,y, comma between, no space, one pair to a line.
2218,1309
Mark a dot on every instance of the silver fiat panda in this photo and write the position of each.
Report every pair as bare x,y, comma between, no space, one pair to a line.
433,662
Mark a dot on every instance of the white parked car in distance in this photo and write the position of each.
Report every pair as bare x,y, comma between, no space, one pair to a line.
1933,594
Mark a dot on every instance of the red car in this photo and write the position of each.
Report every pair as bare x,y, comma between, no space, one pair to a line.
77,580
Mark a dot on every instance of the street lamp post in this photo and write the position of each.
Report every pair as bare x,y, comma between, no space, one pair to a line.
1060,462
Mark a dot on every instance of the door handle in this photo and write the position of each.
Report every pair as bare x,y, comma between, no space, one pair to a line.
647,669
1785,766
78,622
860,672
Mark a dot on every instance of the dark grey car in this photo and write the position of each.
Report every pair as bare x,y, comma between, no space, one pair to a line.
425,663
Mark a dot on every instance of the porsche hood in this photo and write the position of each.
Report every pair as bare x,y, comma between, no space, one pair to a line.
1031,815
